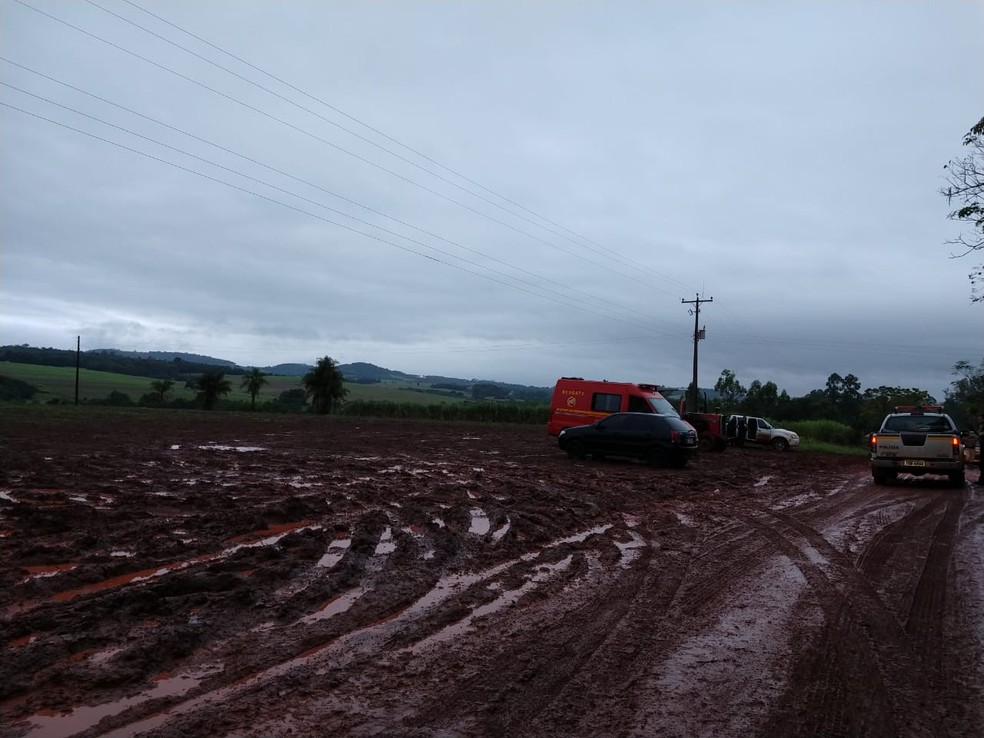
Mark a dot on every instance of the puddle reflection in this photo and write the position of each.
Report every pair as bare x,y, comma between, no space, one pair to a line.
144,574
509,597
336,550
480,524
386,543
83,718
335,606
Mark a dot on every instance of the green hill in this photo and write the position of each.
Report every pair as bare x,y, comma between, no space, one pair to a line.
57,384
131,372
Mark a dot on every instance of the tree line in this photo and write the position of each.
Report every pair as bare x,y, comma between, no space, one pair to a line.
323,387
108,361
842,400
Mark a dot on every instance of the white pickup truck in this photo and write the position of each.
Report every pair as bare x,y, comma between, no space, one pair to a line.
917,440
744,430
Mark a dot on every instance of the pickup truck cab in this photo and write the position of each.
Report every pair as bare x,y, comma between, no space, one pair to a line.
744,430
917,440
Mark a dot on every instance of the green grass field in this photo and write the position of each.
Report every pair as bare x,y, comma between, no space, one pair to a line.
58,383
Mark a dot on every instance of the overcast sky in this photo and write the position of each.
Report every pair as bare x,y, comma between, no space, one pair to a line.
513,191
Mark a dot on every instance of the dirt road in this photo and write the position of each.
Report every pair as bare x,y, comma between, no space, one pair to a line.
181,574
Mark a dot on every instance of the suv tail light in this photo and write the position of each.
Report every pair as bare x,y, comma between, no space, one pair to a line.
955,443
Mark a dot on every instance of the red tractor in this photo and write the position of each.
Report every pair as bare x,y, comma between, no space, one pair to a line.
710,430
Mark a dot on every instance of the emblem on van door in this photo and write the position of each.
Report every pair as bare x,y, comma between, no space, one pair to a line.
571,401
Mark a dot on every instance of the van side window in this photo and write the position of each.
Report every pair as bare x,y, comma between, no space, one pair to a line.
604,403
639,405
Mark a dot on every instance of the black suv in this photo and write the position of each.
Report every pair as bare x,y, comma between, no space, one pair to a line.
658,439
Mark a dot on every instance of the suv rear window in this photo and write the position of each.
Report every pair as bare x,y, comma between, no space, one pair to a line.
918,424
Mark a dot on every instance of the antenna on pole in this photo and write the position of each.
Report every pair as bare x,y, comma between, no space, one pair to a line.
699,333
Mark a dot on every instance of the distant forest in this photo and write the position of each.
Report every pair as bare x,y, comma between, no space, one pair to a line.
110,361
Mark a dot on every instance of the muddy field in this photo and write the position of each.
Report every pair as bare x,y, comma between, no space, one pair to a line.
183,574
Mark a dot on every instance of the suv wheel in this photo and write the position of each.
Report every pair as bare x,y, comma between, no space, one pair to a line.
780,444
575,450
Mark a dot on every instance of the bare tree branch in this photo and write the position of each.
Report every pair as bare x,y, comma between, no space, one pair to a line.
965,187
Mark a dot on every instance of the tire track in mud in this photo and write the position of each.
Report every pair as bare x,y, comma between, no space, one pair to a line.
119,591
844,652
863,641
599,655
584,652
925,620
875,555
595,688
349,648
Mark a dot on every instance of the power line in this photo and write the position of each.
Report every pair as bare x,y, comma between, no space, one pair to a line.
318,204
281,172
335,146
809,344
374,130
313,215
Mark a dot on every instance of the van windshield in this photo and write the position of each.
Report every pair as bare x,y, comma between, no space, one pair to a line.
661,406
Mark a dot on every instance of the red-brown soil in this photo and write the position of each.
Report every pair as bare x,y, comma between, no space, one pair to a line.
187,574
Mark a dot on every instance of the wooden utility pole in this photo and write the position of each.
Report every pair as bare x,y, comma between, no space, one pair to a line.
699,333
78,356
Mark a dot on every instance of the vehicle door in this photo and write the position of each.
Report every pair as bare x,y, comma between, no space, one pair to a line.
614,435
752,429
763,431
640,433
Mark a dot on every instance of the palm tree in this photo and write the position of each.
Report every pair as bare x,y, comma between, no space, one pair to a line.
162,387
211,386
324,385
253,381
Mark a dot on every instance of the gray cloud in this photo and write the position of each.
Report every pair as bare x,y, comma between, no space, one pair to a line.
539,187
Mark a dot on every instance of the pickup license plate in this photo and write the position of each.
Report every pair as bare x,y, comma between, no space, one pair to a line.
913,462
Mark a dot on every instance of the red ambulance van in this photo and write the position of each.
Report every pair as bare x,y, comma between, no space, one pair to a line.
579,401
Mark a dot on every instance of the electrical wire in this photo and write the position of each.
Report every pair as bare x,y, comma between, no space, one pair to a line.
351,229
567,288
600,249
603,265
